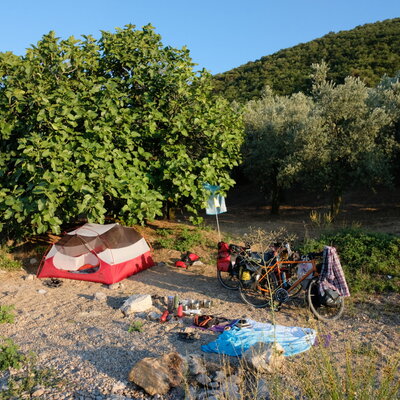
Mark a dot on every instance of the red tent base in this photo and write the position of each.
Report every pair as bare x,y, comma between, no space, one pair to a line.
106,273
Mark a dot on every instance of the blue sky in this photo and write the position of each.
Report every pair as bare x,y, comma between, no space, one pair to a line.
220,34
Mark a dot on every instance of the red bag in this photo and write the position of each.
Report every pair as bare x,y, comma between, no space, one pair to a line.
180,264
224,257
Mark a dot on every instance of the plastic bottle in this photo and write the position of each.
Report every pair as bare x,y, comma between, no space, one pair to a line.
164,316
170,303
284,279
176,302
179,312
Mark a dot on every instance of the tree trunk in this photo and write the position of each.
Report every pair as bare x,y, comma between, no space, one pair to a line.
336,204
168,211
276,194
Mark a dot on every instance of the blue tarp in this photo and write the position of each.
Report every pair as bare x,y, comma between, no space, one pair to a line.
234,342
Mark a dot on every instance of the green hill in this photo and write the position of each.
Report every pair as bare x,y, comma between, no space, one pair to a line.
368,51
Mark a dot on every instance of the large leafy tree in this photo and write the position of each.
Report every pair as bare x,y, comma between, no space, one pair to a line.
353,146
276,129
119,127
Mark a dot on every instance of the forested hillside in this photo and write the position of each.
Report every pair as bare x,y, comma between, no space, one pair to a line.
367,51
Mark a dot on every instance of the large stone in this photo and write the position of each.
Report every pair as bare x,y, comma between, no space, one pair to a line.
158,375
196,365
264,357
136,303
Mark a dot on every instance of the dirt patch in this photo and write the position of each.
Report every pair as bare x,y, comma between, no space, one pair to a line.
376,211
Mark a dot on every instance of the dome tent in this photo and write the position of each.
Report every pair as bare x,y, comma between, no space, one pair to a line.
97,253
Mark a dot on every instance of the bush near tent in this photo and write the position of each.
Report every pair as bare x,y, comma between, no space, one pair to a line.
97,253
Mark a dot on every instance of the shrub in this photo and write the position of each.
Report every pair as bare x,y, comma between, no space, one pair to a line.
7,263
370,260
135,326
369,377
182,241
23,383
9,354
6,314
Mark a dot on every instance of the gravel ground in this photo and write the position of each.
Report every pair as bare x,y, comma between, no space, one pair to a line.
88,343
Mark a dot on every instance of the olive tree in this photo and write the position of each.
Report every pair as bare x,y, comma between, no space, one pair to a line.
387,95
353,149
276,132
118,127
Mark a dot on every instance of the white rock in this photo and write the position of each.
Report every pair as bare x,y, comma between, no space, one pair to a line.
33,261
198,263
38,392
264,357
29,277
136,303
100,296
114,286
42,291
118,386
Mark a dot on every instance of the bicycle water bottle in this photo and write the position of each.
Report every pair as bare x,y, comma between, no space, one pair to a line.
284,283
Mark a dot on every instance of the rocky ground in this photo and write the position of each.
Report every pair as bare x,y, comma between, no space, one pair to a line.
87,340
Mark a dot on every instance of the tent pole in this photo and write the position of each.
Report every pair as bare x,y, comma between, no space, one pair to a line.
219,232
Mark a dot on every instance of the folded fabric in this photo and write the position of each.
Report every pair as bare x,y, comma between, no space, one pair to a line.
235,341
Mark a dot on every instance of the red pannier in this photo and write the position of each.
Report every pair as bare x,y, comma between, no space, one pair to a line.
224,257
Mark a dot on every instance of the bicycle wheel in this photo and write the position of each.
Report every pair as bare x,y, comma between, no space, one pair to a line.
320,311
252,294
228,280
